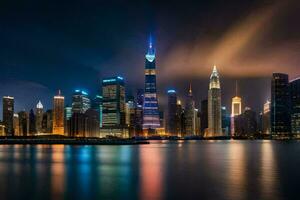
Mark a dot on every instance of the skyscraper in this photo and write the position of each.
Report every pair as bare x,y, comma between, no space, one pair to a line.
266,119
97,106
190,118
226,120
80,101
236,109
23,123
295,105
8,115
113,92
58,114
179,121
246,123
39,117
16,125
150,109
204,116
280,103
214,105
172,108
32,128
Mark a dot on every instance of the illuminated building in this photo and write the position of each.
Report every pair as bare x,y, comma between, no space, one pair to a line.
190,114
16,125
130,111
295,105
32,128
236,109
150,108
92,123
197,118
214,106
23,123
68,116
179,119
172,113
2,129
39,117
204,116
226,120
58,114
266,119
97,106
8,115
113,93
280,98
80,101
140,97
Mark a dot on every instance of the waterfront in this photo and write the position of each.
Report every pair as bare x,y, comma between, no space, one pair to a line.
260,169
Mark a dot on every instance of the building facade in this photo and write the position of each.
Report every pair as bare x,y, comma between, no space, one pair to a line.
39,111
295,106
172,113
58,114
8,115
190,118
214,106
80,101
150,107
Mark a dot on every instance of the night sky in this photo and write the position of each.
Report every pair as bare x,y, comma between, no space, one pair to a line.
51,45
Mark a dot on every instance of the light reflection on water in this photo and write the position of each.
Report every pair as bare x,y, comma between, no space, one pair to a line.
161,170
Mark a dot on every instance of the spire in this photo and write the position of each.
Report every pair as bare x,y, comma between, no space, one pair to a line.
214,78
236,88
59,92
190,90
150,56
39,105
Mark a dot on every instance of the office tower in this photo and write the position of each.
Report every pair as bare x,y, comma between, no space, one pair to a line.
2,129
8,115
47,122
80,101
92,123
295,105
214,106
16,125
23,123
189,114
32,128
172,108
179,121
130,111
67,118
246,123
78,125
197,118
204,116
226,121
266,119
236,109
138,122
280,105
150,112
162,121
113,91
39,117
97,106
58,114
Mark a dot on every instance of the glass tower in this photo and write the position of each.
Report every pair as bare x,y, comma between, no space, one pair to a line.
151,114
295,105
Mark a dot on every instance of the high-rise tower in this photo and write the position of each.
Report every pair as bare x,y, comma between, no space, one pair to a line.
39,117
214,105
190,118
8,114
58,114
172,105
150,107
236,108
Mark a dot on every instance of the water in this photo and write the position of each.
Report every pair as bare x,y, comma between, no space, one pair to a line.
161,170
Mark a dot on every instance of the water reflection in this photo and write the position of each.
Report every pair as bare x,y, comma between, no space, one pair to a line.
57,171
151,172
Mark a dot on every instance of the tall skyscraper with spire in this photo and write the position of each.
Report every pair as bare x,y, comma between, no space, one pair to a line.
236,108
150,107
39,117
190,118
214,106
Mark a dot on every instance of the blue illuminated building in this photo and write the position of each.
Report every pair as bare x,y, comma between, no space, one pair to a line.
150,109
80,101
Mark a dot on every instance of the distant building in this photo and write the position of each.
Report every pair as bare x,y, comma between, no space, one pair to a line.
97,106
47,122
80,101
179,119
113,91
226,121
197,118
214,106
2,129
58,114
16,125
140,97
32,123
190,114
266,119
67,119
130,111
172,113
236,109
204,116
295,105
246,123
280,105
39,111
23,123
8,115
150,112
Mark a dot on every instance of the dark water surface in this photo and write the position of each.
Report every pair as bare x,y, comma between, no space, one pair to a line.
161,170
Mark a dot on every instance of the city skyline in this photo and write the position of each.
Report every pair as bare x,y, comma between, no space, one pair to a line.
97,49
